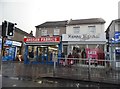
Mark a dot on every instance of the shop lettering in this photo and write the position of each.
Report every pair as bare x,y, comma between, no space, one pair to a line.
48,39
32,39
42,39
84,36
91,52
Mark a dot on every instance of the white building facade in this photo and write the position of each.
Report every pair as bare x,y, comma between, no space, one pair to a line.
84,33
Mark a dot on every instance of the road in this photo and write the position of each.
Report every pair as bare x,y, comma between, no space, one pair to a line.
51,82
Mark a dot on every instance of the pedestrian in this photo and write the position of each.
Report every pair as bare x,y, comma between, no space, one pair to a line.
51,55
107,60
62,55
32,56
70,59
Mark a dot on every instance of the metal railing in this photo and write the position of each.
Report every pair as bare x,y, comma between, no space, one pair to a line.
70,68
97,70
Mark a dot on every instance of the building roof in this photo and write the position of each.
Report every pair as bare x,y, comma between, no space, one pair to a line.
23,32
53,24
71,22
86,21
116,20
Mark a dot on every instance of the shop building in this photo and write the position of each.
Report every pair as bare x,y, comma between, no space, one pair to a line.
13,46
82,34
11,50
48,30
113,41
76,34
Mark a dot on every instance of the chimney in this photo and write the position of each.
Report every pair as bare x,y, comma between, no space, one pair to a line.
31,33
69,21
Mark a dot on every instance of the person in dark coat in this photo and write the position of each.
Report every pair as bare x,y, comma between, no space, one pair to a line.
31,54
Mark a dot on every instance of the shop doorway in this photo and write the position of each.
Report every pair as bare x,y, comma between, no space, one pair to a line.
43,54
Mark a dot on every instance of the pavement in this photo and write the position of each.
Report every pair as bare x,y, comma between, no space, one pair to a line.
75,72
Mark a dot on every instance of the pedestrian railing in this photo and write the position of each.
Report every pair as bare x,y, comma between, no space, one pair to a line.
99,70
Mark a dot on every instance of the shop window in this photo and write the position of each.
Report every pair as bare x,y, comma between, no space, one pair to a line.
76,30
79,52
65,49
117,56
32,53
118,27
56,31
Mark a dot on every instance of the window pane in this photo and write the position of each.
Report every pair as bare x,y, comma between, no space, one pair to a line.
76,30
91,29
56,31
43,32
65,49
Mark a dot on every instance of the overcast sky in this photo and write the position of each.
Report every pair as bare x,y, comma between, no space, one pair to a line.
29,13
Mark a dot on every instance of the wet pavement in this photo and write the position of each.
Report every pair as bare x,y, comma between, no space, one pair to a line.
39,75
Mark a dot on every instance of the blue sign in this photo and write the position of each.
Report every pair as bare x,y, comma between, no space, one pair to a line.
116,38
117,51
8,42
0,40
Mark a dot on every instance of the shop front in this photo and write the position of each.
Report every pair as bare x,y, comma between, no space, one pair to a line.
11,49
42,50
115,50
80,43
0,45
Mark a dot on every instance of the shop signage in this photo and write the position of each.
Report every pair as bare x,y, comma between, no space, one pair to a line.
15,43
117,51
116,38
0,40
43,39
8,42
82,37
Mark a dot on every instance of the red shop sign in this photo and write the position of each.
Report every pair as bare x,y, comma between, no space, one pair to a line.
42,39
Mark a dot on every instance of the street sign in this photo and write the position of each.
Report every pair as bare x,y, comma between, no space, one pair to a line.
116,38
117,51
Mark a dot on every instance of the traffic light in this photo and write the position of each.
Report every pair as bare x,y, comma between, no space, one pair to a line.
4,26
11,28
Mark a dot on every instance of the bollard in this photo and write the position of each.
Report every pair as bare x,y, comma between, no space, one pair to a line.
89,69
54,69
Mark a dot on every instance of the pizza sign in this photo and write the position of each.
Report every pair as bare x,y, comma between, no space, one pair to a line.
42,39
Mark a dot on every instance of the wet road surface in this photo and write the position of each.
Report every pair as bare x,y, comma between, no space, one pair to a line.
51,82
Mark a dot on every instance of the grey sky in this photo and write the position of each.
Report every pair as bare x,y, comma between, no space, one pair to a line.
29,13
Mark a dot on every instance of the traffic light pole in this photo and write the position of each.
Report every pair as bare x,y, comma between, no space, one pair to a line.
2,48
3,41
7,31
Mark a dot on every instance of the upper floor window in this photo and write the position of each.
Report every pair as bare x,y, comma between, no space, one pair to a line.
118,27
44,32
76,30
91,29
56,31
